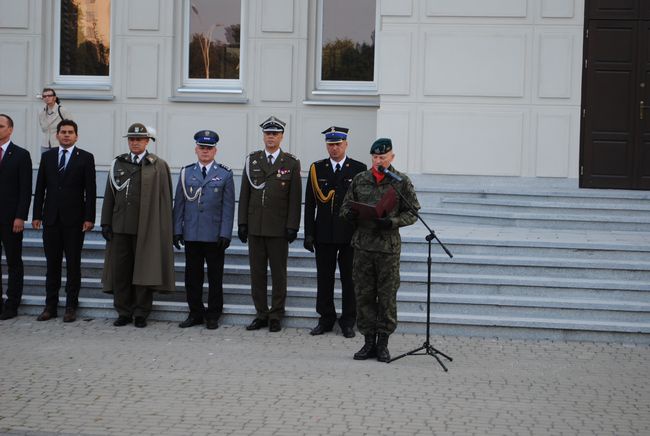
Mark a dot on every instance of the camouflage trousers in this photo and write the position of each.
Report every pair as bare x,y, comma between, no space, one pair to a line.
376,280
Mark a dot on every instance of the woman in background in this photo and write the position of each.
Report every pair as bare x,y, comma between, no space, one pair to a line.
50,116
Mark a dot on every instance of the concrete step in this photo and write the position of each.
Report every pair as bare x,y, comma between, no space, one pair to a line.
548,204
548,220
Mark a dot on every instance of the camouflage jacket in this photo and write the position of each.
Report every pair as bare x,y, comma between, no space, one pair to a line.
367,235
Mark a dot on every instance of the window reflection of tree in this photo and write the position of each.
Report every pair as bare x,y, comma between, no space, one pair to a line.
91,56
210,59
344,59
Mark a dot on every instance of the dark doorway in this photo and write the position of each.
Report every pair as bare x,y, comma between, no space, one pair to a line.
615,137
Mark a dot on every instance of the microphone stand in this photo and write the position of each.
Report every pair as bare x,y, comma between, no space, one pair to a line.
426,348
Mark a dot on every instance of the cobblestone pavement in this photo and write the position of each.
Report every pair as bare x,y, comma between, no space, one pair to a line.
91,378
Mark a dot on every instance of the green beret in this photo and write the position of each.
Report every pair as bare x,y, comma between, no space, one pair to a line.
381,146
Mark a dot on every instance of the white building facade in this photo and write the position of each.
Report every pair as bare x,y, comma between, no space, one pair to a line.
472,87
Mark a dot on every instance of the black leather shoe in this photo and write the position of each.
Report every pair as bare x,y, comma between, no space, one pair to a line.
368,350
122,321
70,314
140,322
46,315
8,314
383,355
348,332
257,324
319,330
211,324
191,321
274,325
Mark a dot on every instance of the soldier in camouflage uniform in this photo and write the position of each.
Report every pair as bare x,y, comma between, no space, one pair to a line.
377,246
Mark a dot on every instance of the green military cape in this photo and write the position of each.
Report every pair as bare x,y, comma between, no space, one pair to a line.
154,255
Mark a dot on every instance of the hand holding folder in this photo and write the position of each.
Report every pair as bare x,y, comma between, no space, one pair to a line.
382,208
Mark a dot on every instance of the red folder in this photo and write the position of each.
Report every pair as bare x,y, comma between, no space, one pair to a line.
381,209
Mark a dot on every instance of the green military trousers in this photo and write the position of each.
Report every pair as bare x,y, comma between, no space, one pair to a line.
128,299
376,280
263,251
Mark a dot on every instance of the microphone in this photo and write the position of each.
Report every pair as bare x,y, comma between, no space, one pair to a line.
390,174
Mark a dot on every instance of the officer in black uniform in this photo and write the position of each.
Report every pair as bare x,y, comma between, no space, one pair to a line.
328,234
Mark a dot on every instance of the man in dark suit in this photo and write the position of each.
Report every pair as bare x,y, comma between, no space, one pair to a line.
269,218
15,197
329,234
64,204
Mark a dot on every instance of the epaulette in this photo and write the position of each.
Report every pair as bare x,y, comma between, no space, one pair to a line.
225,167
290,155
190,165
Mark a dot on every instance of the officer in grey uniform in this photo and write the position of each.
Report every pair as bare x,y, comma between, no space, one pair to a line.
204,209
269,218
377,246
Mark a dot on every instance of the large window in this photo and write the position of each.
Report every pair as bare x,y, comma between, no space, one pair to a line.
346,46
212,44
83,41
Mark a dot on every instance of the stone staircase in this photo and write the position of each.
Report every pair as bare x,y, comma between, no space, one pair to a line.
532,259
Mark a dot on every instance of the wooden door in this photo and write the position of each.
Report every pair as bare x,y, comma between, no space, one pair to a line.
615,138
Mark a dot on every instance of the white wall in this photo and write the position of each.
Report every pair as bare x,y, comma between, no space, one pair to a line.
482,87
145,64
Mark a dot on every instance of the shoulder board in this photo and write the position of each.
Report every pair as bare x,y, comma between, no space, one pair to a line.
124,156
225,167
322,160
190,165
252,153
290,155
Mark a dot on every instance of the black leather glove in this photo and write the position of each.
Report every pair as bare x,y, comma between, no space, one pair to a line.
291,235
242,233
223,243
383,223
107,232
308,243
178,241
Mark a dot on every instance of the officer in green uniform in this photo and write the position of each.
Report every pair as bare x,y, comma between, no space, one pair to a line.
137,226
377,246
269,219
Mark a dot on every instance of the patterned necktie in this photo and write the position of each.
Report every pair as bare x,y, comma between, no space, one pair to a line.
270,159
135,159
204,171
62,160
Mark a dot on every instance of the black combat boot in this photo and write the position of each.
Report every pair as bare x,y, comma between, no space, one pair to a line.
382,348
368,350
